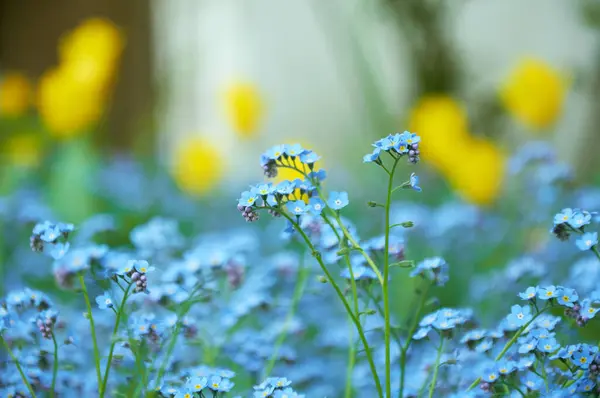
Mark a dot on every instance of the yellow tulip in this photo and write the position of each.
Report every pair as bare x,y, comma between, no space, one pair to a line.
91,53
66,107
478,173
197,167
441,122
15,94
245,108
534,93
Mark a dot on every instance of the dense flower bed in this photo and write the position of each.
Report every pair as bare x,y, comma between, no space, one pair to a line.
320,310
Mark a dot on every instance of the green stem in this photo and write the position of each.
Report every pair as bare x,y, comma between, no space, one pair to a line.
351,348
351,362
54,366
596,252
509,344
437,366
544,375
18,365
298,290
187,305
344,302
411,332
385,284
93,329
114,340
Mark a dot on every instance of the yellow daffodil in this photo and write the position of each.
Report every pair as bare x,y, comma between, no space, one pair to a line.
479,172
245,108
23,150
15,94
442,124
197,166
534,93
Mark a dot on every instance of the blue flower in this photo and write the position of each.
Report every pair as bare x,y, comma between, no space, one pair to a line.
384,144
58,250
184,393
297,207
50,234
248,198
548,292
275,152
519,315
484,346
197,383
528,346
337,200
104,301
567,297
422,333
584,357
287,393
529,293
506,367
263,189
548,345
532,382
316,205
309,157
563,217
285,187
294,150
580,219
372,157
587,310
473,335
585,385
414,182
490,375
587,241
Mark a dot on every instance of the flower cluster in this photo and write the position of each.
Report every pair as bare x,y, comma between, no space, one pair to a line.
399,144
570,221
55,235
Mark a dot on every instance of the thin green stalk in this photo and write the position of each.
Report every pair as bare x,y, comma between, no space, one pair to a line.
18,365
351,362
54,366
337,289
411,332
437,366
509,344
93,329
351,348
545,376
385,284
114,340
184,310
298,290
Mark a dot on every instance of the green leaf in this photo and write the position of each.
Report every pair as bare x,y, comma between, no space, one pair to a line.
404,264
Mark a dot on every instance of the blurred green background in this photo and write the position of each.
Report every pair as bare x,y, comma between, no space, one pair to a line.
196,90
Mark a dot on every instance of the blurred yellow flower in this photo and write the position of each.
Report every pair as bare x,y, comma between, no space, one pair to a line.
534,93
442,124
91,53
15,94
478,173
245,108
197,167
72,97
23,150
67,107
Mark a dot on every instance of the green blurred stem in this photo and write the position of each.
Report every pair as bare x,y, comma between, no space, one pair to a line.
54,366
440,350
114,340
411,332
93,329
386,283
510,344
185,307
298,290
18,365
351,361
337,289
